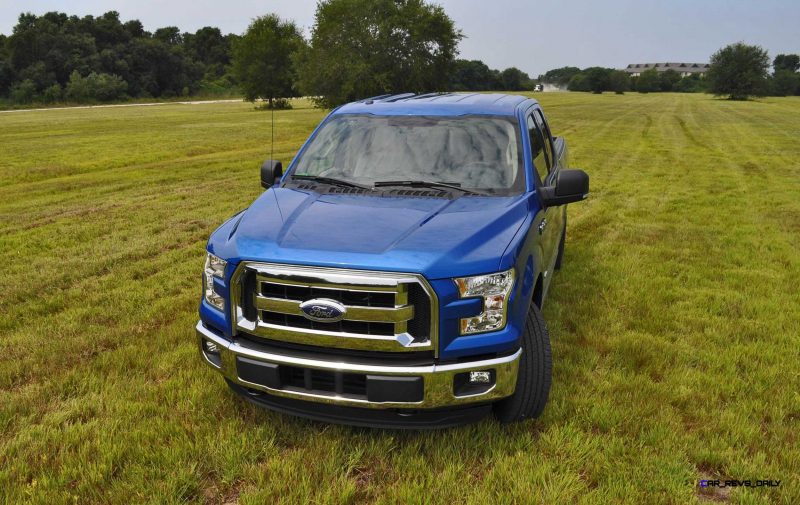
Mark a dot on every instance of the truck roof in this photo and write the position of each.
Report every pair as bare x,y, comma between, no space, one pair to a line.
437,104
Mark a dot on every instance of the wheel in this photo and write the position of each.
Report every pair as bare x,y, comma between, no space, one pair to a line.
560,256
534,375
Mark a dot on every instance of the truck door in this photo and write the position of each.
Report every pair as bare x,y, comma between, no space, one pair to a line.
549,227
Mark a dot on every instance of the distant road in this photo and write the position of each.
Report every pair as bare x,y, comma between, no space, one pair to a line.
196,102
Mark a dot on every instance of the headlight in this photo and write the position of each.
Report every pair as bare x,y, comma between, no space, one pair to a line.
495,290
215,267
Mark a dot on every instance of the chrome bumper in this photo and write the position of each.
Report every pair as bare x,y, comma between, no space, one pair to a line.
438,380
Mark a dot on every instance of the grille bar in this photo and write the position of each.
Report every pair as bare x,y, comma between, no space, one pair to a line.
385,312
354,312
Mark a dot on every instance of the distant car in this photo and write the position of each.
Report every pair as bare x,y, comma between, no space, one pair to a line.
538,87
395,274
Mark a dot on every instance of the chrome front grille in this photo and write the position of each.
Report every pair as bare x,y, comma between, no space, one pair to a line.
385,312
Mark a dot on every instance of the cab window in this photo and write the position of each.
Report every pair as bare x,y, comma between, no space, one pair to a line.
538,154
548,141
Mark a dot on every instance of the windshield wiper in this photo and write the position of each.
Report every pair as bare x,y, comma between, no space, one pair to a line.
330,180
428,184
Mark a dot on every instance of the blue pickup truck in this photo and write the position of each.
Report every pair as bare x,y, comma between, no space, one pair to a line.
394,275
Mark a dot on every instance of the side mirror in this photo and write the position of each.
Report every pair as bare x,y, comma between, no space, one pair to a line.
571,186
271,172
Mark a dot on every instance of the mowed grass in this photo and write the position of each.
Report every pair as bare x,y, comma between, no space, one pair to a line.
674,321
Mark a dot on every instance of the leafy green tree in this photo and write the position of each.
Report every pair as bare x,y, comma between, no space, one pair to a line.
211,48
52,94
474,75
559,76
263,59
790,62
170,35
785,83
597,78
619,81
690,84
361,48
579,82
514,79
48,49
39,75
6,76
668,79
101,87
739,71
648,81
23,92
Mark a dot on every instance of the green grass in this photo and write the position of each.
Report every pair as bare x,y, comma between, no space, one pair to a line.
674,322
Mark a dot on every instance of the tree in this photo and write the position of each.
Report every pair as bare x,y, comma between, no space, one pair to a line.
23,92
579,82
692,83
648,81
209,47
739,71
597,78
668,79
790,62
514,79
619,81
473,75
361,48
170,35
559,76
785,83
263,59
46,50
6,77
52,94
101,87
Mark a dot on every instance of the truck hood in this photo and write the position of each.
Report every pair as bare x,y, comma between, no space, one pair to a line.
433,236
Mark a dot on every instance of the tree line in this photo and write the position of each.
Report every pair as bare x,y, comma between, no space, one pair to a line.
56,57
737,70
409,45
356,48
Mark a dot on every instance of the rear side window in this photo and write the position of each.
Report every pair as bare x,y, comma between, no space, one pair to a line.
547,139
538,154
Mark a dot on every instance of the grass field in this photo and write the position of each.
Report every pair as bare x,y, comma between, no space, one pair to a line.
675,321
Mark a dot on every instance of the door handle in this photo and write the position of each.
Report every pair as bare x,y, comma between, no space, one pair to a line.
542,226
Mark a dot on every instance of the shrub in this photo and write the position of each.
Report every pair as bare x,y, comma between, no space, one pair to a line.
23,92
52,94
648,81
578,82
784,83
95,87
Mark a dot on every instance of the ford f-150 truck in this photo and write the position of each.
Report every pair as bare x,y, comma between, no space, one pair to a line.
394,275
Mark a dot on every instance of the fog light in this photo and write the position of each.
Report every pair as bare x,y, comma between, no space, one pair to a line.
211,347
474,383
482,377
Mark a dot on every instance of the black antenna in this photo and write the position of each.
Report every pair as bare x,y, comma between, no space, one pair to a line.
272,143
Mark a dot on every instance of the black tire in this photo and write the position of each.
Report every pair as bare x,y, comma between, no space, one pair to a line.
534,376
560,256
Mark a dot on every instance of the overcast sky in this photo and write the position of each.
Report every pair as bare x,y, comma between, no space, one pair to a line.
532,35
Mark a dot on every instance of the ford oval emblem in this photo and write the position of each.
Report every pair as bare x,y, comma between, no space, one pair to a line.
323,310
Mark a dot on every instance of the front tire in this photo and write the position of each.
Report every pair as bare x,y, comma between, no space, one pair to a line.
534,376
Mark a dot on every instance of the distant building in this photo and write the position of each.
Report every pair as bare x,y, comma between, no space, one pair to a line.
685,69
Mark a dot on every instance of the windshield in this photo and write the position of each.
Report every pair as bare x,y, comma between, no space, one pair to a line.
476,152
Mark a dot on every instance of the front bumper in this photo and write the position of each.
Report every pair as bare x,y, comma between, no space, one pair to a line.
413,386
